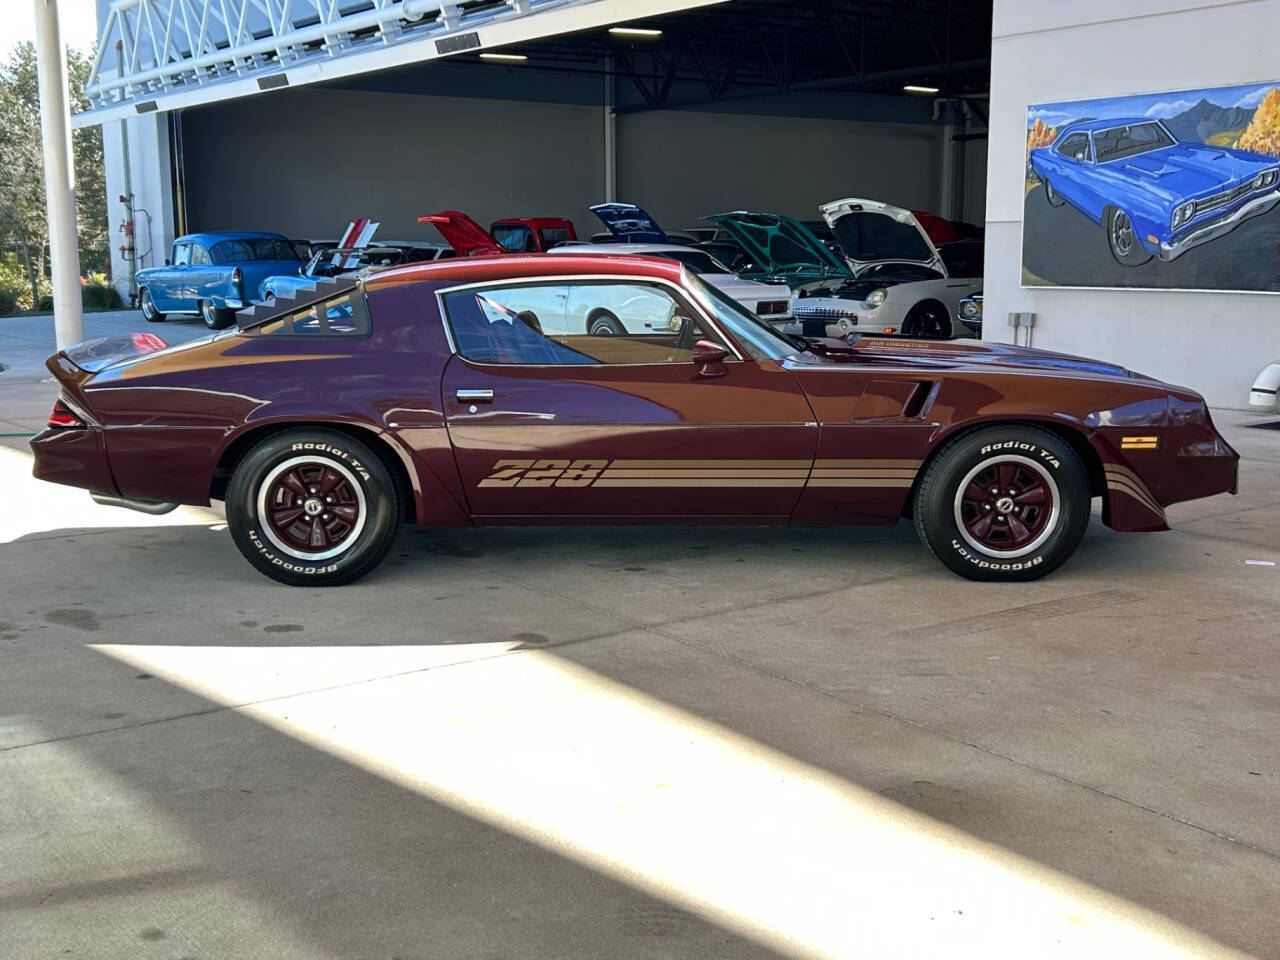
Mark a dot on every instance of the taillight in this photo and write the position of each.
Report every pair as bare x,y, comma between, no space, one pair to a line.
63,416
237,278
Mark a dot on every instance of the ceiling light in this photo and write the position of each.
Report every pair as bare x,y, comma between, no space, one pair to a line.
504,57
913,88
634,32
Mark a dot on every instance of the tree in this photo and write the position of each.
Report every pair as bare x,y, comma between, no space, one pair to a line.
1263,133
24,226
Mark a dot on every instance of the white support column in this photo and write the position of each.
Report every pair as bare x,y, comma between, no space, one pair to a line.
59,176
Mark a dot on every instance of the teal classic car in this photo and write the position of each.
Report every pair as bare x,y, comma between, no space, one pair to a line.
214,275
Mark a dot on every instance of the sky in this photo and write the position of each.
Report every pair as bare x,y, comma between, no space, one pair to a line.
1161,105
79,20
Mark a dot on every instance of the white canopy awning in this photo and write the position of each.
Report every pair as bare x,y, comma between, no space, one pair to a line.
157,55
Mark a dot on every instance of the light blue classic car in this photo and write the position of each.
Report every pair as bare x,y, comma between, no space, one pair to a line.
214,275
1153,194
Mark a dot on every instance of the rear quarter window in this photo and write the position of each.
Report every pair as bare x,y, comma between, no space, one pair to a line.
344,316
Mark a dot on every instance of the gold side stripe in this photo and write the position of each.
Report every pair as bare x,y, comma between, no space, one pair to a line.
698,482
1115,470
850,482
855,464
1123,486
1139,439
708,474
710,464
850,474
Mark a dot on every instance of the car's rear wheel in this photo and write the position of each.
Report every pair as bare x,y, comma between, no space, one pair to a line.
604,324
312,507
1052,195
148,307
1003,503
929,320
214,317
1124,243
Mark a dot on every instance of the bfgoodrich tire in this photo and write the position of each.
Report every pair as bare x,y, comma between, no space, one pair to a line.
312,507
1003,503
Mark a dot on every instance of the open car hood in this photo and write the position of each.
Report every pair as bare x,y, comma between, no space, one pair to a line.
466,236
869,231
629,223
783,246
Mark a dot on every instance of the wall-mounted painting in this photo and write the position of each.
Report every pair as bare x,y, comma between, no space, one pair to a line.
1169,191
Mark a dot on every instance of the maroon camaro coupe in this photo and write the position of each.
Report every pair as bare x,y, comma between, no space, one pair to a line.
469,392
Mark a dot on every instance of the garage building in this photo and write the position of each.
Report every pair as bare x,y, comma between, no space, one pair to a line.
694,108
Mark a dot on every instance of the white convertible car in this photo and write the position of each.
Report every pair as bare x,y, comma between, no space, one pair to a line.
770,302
899,282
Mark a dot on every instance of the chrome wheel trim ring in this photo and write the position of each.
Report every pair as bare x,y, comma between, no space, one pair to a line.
264,521
1050,526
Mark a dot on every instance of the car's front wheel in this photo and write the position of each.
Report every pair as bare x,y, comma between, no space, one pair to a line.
605,324
1124,243
312,507
214,317
1052,195
148,307
929,320
1003,503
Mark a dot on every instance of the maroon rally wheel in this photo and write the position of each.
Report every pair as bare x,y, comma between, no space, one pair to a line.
1007,506
312,507
1003,503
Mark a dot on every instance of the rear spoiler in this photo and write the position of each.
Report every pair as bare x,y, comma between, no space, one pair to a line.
72,366
93,356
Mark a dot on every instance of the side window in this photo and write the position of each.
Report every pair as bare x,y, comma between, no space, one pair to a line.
1076,147
551,236
339,316
181,254
578,324
198,254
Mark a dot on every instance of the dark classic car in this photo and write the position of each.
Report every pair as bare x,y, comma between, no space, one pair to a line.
214,275
455,393
1154,196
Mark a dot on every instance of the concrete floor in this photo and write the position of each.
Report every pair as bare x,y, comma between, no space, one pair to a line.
634,742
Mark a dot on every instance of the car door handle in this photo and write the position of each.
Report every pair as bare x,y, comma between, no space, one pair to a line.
475,396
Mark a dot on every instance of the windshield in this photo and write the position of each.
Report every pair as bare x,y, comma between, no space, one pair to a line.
1120,142
696,260
759,339
334,260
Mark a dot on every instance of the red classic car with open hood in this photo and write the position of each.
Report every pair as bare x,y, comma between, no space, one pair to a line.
456,393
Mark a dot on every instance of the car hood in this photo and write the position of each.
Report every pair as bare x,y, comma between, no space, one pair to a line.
1186,169
783,246
462,233
629,223
869,232
952,353
739,289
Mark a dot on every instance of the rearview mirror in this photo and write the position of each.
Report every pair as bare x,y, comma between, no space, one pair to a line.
709,357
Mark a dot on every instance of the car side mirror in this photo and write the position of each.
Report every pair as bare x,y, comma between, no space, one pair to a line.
1080,155
709,357
167,263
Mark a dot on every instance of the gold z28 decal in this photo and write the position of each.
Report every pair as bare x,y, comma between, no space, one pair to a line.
701,473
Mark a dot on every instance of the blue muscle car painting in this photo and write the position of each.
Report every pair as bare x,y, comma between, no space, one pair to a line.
214,275
1155,191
